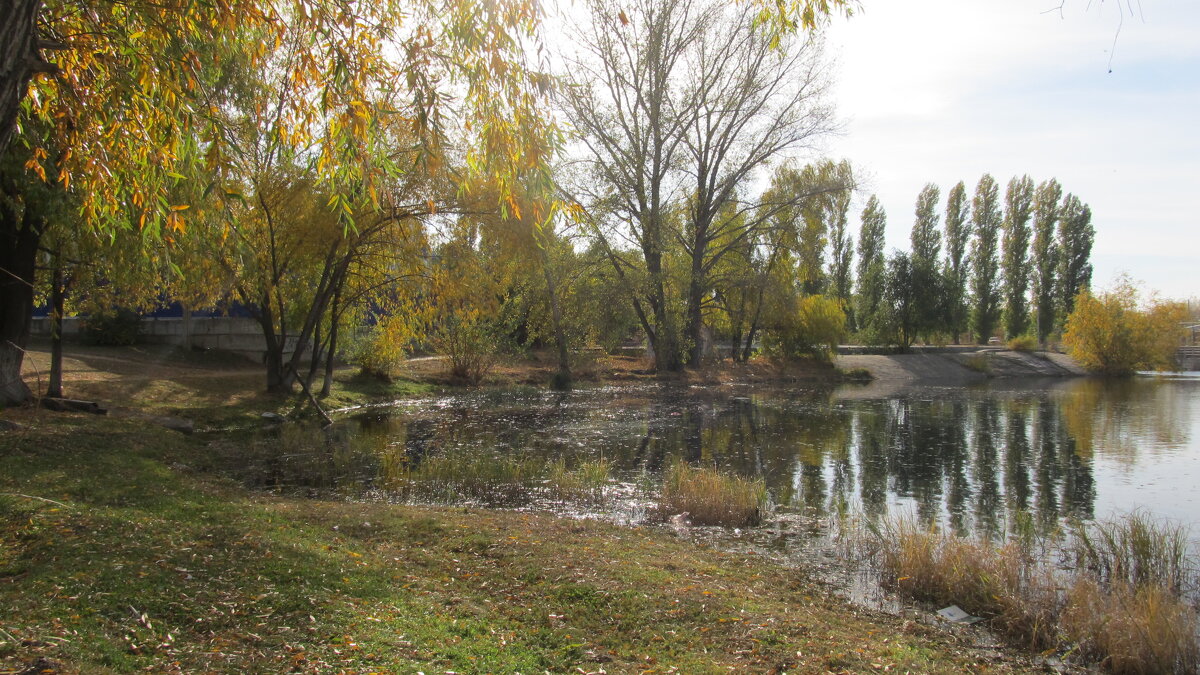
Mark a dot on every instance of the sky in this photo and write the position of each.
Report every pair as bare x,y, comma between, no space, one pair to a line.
1102,96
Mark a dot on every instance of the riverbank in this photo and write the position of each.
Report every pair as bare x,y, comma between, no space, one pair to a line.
120,551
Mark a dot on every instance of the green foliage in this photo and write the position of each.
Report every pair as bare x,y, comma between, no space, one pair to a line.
1116,333
1075,237
957,236
116,327
985,272
872,270
1045,255
1023,343
813,329
1018,205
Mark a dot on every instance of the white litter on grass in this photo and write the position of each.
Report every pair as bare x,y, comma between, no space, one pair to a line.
956,614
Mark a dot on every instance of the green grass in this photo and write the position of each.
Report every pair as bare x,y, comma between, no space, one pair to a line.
116,557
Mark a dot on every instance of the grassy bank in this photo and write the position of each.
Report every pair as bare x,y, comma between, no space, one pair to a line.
120,553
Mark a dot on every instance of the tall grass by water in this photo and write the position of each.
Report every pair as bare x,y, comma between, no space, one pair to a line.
1122,605
712,497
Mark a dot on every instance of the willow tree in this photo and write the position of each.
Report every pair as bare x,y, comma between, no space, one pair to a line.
135,86
753,100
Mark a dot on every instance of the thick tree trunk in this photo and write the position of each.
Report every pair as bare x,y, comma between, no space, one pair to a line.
331,352
695,317
19,59
19,236
57,307
663,340
562,379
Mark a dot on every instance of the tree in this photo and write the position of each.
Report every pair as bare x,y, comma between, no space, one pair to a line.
841,246
131,106
627,103
986,219
1045,254
677,117
957,235
1075,237
755,99
900,318
1117,333
1018,206
926,278
871,267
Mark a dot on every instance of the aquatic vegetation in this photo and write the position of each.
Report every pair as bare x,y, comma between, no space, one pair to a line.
456,477
713,497
1136,550
584,482
1122,606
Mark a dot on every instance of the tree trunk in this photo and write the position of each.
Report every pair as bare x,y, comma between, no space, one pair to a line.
57,307
19,237
19,60
663,340
695,318
562,379
331,352
186,322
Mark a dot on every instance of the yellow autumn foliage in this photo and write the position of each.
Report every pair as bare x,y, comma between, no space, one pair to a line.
1117,333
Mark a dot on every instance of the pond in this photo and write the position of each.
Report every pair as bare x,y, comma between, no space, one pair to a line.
976,459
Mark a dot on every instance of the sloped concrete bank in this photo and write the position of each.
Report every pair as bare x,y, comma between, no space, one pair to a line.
954,366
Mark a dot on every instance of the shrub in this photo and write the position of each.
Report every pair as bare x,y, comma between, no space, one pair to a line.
1023,343
813,329
382,348
1116,333
712,497
115,328
471,345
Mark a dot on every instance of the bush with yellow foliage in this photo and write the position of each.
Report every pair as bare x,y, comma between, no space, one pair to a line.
1117,333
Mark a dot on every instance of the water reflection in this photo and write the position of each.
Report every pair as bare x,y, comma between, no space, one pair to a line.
976,459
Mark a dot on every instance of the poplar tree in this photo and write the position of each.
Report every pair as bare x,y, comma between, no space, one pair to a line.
985,287
926,245
957,229
1018,206
1075,237
1045,254
841,243
871,265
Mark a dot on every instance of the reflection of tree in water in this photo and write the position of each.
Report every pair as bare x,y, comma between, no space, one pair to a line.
1120,418
958,490
1016,457
966,457
987,430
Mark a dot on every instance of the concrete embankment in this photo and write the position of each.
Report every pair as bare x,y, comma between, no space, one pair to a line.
952,366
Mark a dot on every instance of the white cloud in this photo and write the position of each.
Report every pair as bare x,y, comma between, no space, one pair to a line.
945,90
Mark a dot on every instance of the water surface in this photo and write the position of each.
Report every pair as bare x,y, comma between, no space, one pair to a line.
975,459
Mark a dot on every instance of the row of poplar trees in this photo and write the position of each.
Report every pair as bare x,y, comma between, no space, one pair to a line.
981,266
